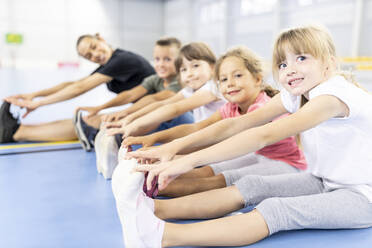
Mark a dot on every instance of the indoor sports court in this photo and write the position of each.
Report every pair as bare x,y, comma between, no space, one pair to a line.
51,194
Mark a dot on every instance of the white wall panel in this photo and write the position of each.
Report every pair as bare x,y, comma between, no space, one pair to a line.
365,47
50,28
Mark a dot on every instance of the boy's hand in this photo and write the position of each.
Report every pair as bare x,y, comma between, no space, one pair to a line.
114,116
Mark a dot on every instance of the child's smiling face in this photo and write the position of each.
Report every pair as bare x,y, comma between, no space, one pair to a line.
164,58
195,73
236,83
299,73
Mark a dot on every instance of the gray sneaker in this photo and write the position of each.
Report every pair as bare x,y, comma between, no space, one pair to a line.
85,133
8,124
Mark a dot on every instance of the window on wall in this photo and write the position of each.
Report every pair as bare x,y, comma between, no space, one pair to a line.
213,11
248,7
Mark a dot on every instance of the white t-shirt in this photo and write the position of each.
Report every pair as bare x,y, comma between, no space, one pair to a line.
205,111
339,150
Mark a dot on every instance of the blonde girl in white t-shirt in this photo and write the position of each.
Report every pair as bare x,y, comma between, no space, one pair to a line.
335,122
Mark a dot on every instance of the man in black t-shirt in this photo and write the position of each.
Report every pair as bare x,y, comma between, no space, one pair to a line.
119,69
126,69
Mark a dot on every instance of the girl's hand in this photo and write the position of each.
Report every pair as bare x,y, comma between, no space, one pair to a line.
162,153
130,130
127,120
167,172
145,141
114,128
113,124
91,110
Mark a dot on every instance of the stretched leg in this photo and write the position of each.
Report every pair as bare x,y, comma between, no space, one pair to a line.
208,204
321,211
188,186
202,179
234,230
205,171
237,230
53,131
201,205
342,208
264,167
94,121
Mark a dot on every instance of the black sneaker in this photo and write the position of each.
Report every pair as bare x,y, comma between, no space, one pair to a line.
85,133
8,124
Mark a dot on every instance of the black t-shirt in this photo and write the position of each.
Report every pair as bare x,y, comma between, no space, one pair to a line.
127,70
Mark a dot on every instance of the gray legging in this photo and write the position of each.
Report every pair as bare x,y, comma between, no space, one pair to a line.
300,200
251,164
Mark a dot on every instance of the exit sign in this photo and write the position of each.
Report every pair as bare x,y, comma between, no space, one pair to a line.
13,38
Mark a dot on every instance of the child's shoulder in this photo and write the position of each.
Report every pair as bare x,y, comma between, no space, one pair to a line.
339,87
209,85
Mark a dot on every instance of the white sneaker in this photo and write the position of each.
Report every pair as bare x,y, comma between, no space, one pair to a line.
126,187
98,148
109,159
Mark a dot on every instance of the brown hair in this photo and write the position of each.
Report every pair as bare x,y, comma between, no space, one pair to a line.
82,37
251,61
169,41
195,51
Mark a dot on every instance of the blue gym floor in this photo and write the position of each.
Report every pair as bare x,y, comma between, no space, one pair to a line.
55,198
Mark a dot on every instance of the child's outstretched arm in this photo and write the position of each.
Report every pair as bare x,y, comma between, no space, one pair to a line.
217,131
168,112
141,103
153,106
310,115
172,133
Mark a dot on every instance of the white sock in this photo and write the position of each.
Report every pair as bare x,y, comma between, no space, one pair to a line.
122,153
127,186
16,111
150,228
109,159
98,148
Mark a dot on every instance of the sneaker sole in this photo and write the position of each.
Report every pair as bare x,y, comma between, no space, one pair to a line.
80,133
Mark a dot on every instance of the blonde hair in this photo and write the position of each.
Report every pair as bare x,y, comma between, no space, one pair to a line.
314,40
251,61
